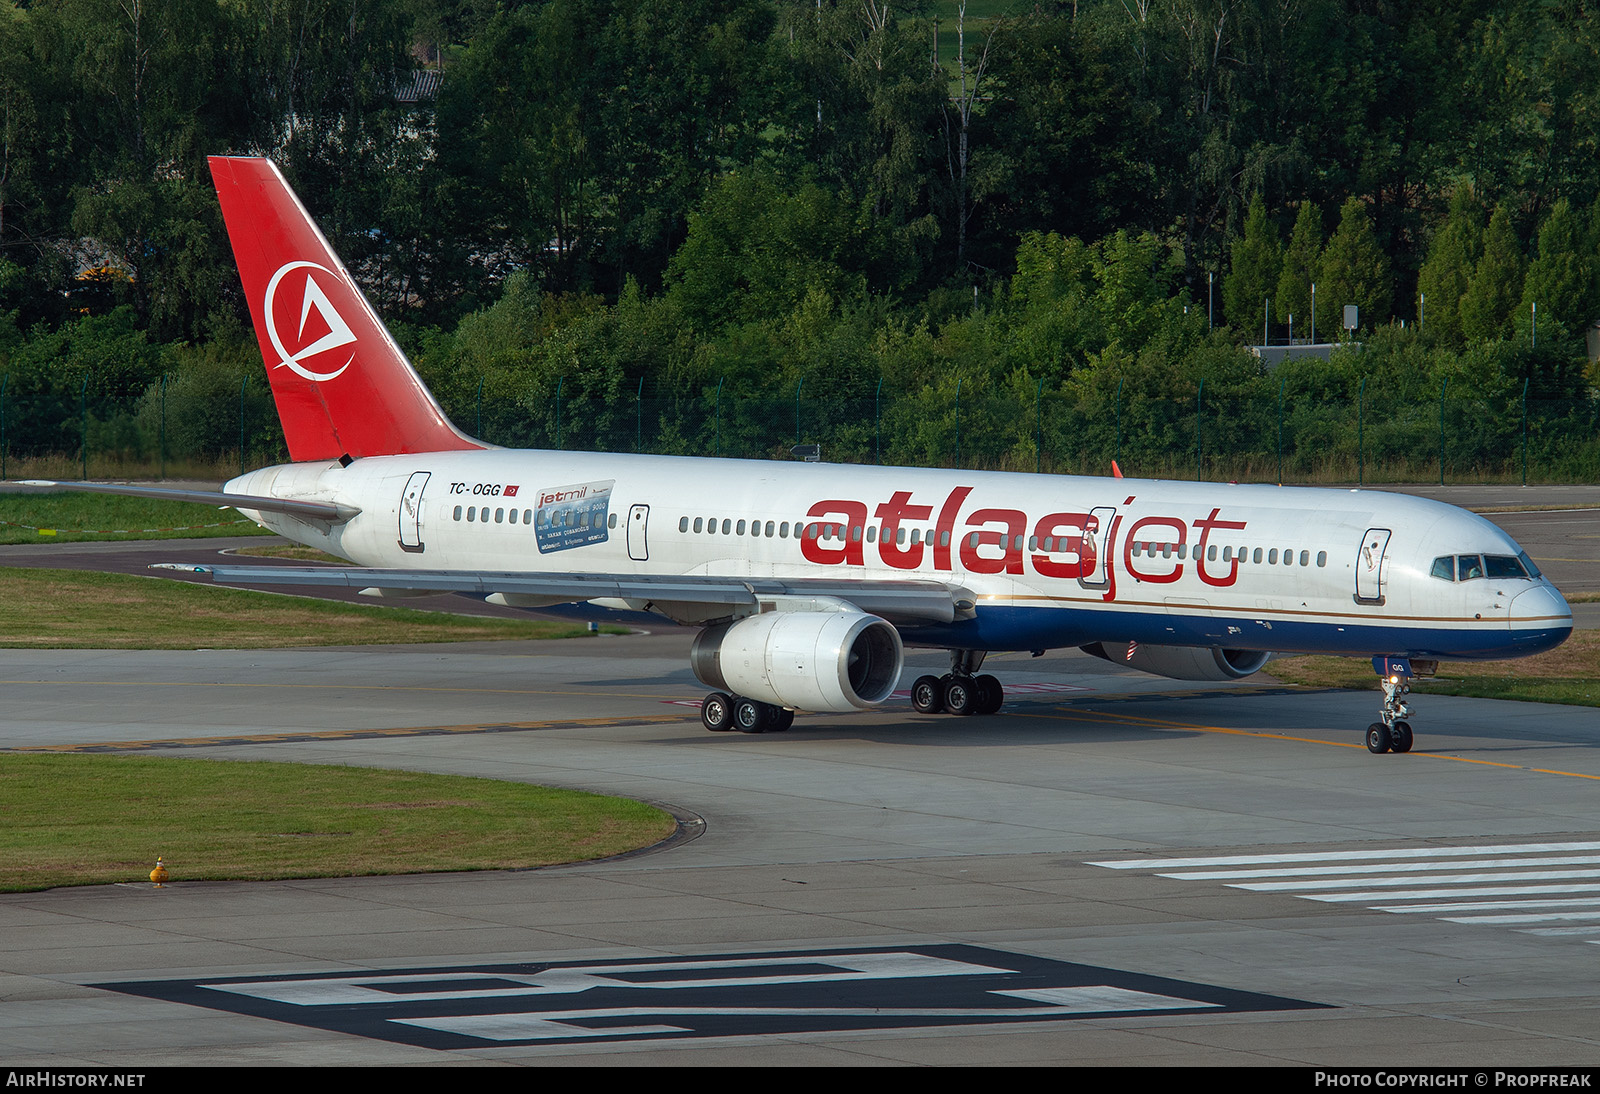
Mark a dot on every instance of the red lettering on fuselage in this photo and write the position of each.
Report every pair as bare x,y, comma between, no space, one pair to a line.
1079,544
1072,547
848,551
1128,556
946,526
892,512
1204,527
1010,560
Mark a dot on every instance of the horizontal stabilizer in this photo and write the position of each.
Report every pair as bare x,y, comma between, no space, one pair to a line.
333,512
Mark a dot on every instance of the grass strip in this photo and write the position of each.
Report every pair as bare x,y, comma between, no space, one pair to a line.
1568,674
95,820
75,517
74,609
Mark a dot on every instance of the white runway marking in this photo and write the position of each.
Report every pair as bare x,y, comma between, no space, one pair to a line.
1484,879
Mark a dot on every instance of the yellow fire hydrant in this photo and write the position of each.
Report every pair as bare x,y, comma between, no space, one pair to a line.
159,874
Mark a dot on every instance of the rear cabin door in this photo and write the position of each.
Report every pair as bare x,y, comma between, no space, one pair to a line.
411,512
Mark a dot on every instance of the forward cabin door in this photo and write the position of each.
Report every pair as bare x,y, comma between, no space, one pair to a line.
1369,565
638,521
411,512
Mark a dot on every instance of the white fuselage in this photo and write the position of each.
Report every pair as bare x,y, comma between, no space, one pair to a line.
1049,561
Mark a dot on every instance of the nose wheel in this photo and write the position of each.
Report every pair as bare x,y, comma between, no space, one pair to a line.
1392,733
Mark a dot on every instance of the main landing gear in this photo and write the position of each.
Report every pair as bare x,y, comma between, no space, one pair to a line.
721,712
1393,733
958,691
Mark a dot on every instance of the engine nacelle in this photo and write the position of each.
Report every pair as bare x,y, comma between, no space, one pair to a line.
1187,662
838,661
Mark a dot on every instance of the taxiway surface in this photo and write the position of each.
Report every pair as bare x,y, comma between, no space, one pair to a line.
1168,874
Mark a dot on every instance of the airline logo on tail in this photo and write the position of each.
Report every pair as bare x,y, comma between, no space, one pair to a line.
327,332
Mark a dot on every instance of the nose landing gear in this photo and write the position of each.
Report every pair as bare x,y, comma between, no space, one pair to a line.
1393,733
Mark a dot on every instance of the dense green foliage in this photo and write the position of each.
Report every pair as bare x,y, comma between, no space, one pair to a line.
943,233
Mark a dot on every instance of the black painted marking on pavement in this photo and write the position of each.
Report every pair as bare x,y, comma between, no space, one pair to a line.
727,995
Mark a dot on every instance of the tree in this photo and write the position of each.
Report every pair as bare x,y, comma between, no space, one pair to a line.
1496,285
1293,297
1257,263
1354,269
754,252
1559,279
1447,272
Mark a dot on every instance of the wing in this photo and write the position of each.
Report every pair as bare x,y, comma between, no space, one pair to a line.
692,598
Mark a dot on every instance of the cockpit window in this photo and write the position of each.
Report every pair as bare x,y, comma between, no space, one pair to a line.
1469,566
1502,566
1527,564
1444,568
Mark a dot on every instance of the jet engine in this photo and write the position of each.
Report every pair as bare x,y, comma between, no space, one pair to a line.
838,661
1186,662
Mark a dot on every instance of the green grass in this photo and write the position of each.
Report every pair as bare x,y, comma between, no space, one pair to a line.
73,609
1569,674
74,517
94,820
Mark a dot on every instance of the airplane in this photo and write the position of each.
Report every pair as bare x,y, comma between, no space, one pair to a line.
809,580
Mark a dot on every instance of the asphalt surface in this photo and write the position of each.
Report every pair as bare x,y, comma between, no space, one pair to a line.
1115,869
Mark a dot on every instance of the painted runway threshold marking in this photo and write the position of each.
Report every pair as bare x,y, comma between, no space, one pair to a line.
774,993
1447,883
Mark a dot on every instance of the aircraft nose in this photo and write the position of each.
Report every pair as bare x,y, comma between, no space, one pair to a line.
1541,617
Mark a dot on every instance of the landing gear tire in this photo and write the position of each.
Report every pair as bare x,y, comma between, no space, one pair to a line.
716,712
927,695
751,716
990,694
1400,737
1378,737
960,697
782,719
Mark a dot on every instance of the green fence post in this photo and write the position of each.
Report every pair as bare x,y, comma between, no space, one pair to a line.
1361,436
1038,429
877,423
3,381
1524,430
1281,382
161,434
1117,459
718,413
1442,388
958,397
83,400
638,419
242,383
560,382
1199,450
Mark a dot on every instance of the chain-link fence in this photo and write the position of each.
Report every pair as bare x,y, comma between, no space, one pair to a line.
213,429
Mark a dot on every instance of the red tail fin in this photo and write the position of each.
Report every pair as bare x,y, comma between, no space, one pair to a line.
341,384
